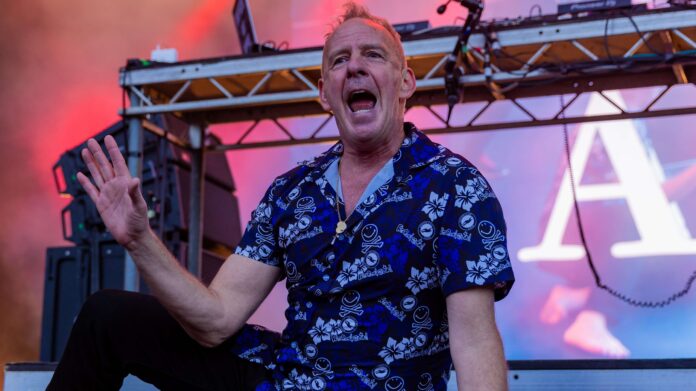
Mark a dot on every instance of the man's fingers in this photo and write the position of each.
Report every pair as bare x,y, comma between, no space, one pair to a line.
103,163
91,190
120,166
92,167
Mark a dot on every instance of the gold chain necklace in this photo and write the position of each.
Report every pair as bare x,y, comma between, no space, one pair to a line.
341,225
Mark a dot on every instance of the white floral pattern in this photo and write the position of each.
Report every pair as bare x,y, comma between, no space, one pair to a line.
421,279
478,272
435,207
466,197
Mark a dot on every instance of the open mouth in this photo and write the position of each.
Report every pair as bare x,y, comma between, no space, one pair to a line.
361,100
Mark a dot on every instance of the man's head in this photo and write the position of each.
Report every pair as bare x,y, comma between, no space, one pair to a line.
365,81
352,11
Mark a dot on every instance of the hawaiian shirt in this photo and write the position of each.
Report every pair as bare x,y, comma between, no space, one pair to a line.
366,308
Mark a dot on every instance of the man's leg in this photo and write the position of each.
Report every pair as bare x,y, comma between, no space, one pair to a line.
120,332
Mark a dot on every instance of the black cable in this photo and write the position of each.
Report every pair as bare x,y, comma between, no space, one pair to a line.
537,7
454,71
641,63
640,34
590,262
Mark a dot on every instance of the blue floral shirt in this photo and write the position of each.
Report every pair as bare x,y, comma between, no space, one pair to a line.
366,308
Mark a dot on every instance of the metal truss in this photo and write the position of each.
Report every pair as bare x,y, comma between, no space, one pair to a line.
559,117
505,61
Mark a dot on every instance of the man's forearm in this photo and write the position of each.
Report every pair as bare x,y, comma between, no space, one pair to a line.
482,365
196,308
475,344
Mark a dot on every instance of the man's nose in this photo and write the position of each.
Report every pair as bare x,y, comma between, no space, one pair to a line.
356,66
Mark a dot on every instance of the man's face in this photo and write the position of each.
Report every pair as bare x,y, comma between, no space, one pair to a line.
364,81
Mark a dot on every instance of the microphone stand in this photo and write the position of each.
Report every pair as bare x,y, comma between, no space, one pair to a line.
452,71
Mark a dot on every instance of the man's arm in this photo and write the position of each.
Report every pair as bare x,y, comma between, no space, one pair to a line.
475,344
209,315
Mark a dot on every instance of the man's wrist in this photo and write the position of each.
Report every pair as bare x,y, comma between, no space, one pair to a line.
141,243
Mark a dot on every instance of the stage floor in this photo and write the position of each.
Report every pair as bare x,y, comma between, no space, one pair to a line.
590,375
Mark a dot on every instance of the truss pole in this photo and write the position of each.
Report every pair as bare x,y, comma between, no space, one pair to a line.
611,101
326,121
131,279
195,233
684,37
180,92
220,88
657,98
641,40
478,128
565,106
564,120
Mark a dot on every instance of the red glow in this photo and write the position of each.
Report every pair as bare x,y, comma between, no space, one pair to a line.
199,24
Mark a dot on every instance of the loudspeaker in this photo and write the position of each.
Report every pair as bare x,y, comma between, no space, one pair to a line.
98,262
73,273
165,186
66,288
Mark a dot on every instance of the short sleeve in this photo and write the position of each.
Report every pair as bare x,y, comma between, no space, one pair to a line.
259,241
472,245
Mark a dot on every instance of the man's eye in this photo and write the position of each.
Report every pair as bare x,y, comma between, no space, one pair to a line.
340,59
373,54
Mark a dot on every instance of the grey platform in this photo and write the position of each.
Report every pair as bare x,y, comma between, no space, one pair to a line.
561,375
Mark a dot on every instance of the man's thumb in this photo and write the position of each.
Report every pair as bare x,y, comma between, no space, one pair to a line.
134,192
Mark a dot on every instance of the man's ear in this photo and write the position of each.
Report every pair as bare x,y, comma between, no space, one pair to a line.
408,83
322,96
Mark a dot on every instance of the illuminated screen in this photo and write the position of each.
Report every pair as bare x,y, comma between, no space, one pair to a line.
636,190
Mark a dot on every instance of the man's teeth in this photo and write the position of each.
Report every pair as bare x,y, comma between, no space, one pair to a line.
361,101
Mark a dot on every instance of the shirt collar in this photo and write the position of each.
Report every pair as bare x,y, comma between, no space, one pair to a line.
416,151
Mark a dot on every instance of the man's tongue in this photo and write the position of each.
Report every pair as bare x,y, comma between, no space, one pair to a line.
362,104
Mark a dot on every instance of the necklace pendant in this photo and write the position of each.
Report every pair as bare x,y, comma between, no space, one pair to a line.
340,227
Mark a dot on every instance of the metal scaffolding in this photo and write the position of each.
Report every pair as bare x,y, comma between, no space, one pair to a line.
508,61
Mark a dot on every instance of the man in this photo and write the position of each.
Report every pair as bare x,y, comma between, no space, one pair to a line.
378,239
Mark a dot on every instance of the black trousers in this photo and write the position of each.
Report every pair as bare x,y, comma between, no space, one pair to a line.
119,333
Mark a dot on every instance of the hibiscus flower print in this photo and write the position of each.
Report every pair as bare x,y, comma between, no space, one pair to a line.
490,262
297,381
435,207
478,272
321,331
247,251
335,327
408,345
360,265
349,273
418,280
392,351
466,196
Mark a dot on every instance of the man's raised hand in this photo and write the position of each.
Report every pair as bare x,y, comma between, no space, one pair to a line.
115,192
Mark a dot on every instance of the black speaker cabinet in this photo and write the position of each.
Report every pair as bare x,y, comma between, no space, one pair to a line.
66,288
